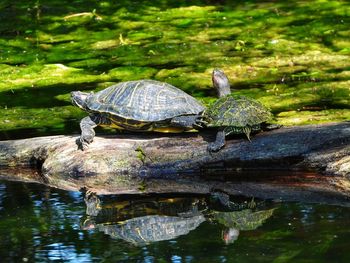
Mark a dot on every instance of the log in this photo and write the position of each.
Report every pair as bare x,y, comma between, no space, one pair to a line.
294,163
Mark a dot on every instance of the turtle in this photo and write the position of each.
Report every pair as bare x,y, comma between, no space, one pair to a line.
146,229
232,115
142,221
243,220
140,105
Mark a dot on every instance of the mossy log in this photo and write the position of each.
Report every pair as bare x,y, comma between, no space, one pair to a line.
294,163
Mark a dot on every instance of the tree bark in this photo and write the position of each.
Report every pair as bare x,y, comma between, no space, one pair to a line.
294,163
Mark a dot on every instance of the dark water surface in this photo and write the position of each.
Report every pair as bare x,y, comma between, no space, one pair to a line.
41,224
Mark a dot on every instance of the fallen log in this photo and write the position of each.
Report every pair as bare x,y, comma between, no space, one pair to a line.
273,165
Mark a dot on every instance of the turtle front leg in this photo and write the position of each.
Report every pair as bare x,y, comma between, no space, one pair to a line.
219,142
93,203
87,126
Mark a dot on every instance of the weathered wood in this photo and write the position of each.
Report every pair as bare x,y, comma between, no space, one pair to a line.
142,163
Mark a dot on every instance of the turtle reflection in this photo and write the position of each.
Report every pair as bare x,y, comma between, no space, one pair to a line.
129,207
246,219
152,228
152,219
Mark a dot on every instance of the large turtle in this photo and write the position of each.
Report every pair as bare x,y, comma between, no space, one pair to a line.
146,229
142,105
142,221
232,115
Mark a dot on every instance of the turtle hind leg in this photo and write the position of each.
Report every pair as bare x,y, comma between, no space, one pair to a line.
270,126
247,132
219,142
186,121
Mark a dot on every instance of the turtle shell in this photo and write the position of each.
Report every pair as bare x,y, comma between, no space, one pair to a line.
246,219
236,112
152,228
144,100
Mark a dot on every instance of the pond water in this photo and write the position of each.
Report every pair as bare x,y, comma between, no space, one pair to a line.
41,224
293,56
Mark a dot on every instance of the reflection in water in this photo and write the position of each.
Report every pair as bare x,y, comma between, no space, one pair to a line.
40,224
230,235
155,219
146,229
246,219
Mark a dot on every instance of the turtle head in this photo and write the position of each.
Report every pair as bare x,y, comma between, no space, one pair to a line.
220,83
230,235
88,224
79,99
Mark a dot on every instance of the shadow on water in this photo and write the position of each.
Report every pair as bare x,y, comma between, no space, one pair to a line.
65,127
45,97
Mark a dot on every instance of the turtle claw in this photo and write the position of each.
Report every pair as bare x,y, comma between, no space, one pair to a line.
82,144
89,193
214,147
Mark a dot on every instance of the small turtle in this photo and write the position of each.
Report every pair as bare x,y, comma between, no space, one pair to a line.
246,219
243,220
142,105
232,115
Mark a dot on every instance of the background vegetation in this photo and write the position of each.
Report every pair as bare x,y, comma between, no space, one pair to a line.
291,55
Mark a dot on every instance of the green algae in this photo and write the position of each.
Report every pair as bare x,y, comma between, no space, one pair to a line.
140,154
293,57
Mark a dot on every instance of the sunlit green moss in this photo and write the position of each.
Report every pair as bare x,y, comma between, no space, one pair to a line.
36,118
306,117
292,56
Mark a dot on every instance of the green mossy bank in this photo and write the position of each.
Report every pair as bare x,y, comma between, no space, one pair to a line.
292,56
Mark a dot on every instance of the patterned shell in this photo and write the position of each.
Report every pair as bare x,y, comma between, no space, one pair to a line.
156,228
236,112
245,219
144,100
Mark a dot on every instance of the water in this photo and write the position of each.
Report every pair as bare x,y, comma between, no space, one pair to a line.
41,224
293,56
